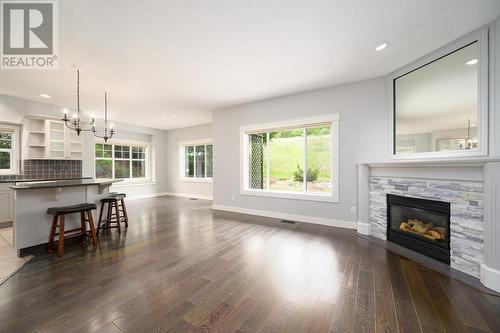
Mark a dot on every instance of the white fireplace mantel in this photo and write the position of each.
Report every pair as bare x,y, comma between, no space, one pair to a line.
485,170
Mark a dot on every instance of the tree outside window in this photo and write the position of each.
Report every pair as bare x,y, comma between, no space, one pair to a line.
118,161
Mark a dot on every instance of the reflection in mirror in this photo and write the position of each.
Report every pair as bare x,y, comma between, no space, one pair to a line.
436,106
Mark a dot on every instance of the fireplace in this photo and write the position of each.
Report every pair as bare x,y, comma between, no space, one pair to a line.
420,225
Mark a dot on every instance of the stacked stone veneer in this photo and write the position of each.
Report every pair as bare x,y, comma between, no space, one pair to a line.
466,222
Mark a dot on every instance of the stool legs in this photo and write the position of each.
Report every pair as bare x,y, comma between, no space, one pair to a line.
117,215
112,216
52,233
124,211
92,229
58,222
61,235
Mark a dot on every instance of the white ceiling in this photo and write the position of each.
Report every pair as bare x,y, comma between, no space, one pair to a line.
161,58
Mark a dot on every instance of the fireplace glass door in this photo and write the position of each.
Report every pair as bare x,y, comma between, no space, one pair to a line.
419,224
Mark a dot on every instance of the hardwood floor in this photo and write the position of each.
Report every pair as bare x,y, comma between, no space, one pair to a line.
181,267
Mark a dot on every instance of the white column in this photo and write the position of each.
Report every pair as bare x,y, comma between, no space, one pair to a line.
363,199
490,269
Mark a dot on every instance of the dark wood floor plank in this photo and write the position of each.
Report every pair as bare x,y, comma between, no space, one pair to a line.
406,315
182,267
385,311
365,303
422,300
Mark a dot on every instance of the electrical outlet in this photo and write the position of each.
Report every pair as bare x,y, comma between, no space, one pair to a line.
232,197
353,209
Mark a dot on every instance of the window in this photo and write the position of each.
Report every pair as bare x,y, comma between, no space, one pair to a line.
121,161
296,159
196,159
9,152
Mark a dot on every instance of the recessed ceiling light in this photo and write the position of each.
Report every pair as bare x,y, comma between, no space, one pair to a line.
164,118
44,96
155,120
175,116
471,62
379,46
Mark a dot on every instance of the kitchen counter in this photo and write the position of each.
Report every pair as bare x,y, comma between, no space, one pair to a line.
23,180
31,223
62,183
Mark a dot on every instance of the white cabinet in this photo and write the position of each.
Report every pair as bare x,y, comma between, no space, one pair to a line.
46,138
6,202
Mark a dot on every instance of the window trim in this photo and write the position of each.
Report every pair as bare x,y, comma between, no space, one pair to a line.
485,87
182,167
333,118
14,150
148,155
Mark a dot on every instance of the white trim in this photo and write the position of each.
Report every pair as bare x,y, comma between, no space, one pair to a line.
132,184
182,159
490,277
147,196
188,195
296,122
147,159
309,196
198,142
301,122
173,194
285,216
364,228
481,36
14,150
197,180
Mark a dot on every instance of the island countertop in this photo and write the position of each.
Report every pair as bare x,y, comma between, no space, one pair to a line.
26,180
62,183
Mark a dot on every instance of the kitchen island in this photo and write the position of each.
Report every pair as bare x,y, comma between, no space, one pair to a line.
31,223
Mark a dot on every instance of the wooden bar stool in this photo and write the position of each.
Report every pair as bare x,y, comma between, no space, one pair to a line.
58,221
112,217
121,206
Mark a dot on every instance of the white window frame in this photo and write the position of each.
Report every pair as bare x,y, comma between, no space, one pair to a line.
481,36
282,125
113,143
182,160
14,150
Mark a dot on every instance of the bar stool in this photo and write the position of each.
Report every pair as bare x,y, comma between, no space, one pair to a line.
121,206
58,221
112,217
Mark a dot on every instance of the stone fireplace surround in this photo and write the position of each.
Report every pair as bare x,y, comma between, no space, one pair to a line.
471,186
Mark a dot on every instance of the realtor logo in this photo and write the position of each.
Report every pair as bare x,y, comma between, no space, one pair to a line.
29,34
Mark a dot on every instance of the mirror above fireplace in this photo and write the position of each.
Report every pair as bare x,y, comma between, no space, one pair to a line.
439,103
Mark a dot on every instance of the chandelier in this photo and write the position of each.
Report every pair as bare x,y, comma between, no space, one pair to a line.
108,133
75,124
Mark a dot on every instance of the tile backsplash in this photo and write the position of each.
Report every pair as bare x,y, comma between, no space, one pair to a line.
48,169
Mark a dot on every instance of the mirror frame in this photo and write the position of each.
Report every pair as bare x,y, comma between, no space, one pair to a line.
481,36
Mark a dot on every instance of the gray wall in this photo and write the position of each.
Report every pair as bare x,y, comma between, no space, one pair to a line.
363,136
174,184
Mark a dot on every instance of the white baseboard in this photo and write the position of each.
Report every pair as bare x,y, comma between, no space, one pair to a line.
147,196
490,277
162,194
364,228
285,216
187,195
